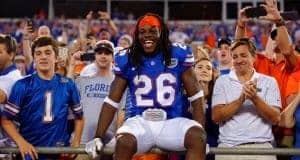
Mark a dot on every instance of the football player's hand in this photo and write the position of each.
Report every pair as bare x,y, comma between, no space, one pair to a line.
94,147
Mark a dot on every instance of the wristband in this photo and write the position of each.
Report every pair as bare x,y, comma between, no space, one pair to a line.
111,102
196,96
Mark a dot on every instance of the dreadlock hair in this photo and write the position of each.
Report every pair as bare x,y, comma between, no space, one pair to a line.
136,50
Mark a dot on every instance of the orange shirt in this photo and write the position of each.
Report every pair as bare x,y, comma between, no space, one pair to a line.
279,71
211,40
282,74
78,68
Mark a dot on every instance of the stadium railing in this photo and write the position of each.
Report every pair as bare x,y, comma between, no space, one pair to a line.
212,150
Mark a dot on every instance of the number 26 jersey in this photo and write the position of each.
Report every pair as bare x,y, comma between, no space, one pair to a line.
156,85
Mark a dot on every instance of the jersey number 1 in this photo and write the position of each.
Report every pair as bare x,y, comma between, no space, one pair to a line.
48,108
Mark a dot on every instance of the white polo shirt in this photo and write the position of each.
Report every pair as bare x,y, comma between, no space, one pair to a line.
7,80
246,125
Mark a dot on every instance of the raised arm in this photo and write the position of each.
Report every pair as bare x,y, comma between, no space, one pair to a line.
240,31
26,46
112,25
282,38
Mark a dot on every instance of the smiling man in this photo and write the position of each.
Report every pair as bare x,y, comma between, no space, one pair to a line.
154,70
40,104
245,105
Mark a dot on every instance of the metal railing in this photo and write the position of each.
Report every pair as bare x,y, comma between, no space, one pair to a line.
213,150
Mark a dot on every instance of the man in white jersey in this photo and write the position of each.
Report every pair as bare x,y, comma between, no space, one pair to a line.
9,74
93,88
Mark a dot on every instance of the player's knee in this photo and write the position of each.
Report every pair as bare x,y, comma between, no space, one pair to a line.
127,141
195,137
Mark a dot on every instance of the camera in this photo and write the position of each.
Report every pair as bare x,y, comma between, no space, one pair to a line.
30,25
88,56
254,12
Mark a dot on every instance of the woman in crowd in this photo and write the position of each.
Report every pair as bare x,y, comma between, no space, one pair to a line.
206,77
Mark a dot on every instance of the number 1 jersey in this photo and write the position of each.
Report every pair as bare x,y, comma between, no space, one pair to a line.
41,108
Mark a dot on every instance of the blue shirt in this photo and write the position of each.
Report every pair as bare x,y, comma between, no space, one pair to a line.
297,131
155,85
41,108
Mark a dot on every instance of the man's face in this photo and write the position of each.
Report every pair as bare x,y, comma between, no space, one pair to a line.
104,59
242,59
104,35
44,31
123,43
44,58
149,38
21,66
223,54
5,58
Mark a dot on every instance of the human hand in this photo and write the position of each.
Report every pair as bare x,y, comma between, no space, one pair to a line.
27,32
89,16
104,15
26,148
74,143
242,18
94,147
3,97
75,57
272,11
250,89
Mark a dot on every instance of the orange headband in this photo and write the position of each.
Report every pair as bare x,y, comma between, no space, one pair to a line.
149,20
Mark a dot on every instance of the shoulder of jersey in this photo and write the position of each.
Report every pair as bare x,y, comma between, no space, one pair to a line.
182,53
26,78
121,60
24,81
63,79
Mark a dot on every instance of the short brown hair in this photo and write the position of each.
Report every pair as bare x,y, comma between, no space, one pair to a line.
44,41
244,41
9,42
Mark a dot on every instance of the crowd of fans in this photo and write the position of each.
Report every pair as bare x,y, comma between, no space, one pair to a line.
207,32
248,71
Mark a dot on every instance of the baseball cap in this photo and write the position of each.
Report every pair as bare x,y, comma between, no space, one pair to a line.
104,44
224,40
19,58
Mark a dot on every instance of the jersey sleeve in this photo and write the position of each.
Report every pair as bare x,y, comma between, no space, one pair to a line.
184,55
121,64
74,102
15,100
